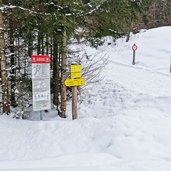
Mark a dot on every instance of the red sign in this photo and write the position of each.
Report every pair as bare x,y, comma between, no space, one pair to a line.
134,47
40,59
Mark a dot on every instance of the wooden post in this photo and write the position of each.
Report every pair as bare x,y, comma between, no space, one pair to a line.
41,115
170,63
74,102
133,61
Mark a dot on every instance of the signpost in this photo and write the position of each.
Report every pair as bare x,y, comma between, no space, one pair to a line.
41,83
76,75
75,71
75,68
74,81
134,48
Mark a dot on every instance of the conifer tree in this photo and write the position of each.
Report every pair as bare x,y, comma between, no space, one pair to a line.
46,26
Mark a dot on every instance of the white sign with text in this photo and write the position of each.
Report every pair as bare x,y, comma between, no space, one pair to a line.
41,82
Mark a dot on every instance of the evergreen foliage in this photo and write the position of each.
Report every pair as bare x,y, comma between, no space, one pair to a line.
41,26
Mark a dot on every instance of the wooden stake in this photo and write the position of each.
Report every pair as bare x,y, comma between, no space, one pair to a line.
41,115
74,102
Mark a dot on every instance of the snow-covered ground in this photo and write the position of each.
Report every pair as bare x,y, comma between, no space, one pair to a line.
124,121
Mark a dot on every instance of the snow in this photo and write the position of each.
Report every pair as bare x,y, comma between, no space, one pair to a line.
124,121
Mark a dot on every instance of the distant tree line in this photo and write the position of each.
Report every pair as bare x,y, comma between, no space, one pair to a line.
157,14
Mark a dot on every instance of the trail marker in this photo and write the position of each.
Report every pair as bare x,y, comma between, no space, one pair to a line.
134,48
41,83
76,68
74,81
75,75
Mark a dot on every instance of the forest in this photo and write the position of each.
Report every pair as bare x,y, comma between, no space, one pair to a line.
48,27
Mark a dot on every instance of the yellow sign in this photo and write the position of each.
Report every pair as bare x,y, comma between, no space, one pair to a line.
76,75
76,68
74,82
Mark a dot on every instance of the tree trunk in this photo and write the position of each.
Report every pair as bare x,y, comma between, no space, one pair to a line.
5,92
30,45
12,64
42,44
39,43
55,76
47,44
63,74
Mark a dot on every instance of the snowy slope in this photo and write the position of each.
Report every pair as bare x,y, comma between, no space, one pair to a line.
124,121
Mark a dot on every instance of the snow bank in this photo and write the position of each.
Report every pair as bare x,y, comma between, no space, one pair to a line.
124,121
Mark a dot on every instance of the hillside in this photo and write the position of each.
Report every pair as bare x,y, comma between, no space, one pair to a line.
124,120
